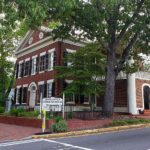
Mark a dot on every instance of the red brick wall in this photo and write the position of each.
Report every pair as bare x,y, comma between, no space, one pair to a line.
60,47
120,94
139,89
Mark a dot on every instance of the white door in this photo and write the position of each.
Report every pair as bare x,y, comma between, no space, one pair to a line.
32,97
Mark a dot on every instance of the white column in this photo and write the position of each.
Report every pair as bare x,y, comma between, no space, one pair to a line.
131,92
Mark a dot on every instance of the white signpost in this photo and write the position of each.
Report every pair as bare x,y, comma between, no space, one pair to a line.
52,104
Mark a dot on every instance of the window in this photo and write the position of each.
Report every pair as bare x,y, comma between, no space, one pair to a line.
27,68
19,95
20,70
33,70
42,63
49,89
25,93
40,91
68,51
50,60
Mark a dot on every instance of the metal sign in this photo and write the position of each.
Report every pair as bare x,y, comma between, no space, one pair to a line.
52,104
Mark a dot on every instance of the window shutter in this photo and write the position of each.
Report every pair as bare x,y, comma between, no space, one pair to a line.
30,67
46,67
53,89
20,95
37,64
22,69
45,90
65,56
17,69
54,60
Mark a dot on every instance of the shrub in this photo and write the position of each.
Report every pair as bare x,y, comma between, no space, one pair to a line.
128,122
17,112
70,115
60,126
2,110
58,119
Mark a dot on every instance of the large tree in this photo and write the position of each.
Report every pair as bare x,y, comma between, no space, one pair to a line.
121,27
8,39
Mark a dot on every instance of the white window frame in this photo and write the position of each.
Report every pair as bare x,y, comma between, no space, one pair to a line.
19,69
27,59
49,81
73,95
18,88
51,59
33,71
41,54
24,85
70,51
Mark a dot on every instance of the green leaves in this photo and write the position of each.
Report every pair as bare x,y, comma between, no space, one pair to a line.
86,65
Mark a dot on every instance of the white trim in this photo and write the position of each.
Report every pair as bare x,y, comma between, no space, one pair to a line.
45,42
142,78
23,41
42,54
25,85
41,82
31,84
41,71
18,86
35,56
50,81
51,50
27,59
70,50
68,81
144,84
20,62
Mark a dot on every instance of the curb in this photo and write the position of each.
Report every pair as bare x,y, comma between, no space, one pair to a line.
88,132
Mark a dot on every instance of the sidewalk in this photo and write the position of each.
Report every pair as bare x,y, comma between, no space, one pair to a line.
14,132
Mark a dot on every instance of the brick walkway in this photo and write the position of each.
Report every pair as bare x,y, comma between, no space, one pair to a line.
14,132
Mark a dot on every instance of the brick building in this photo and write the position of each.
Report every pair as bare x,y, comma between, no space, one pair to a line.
37,54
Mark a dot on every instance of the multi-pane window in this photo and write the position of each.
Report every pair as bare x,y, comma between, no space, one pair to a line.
24,97
49,89
27,68
33,70
19,95
40,91
42,63
20,69
50,60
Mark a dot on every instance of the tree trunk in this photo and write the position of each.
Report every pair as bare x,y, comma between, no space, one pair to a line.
110,81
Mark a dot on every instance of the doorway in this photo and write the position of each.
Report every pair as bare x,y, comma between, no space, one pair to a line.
32,98
146,96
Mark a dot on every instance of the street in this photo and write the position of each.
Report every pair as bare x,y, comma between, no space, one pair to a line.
137,139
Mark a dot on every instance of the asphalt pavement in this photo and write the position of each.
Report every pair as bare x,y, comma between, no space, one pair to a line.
135,139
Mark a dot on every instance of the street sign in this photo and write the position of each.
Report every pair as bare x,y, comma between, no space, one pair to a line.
52,104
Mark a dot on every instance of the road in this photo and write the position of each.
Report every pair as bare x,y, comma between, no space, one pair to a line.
137,139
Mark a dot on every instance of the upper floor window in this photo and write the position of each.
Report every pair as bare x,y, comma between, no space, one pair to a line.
42,65
51,59
33,68
20,69
27,67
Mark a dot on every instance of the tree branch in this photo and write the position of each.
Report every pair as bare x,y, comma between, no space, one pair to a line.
130,20
126,52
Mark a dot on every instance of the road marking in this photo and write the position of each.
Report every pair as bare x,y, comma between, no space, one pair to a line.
18,142
38,140
65,144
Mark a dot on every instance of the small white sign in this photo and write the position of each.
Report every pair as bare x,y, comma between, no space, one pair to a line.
52,104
